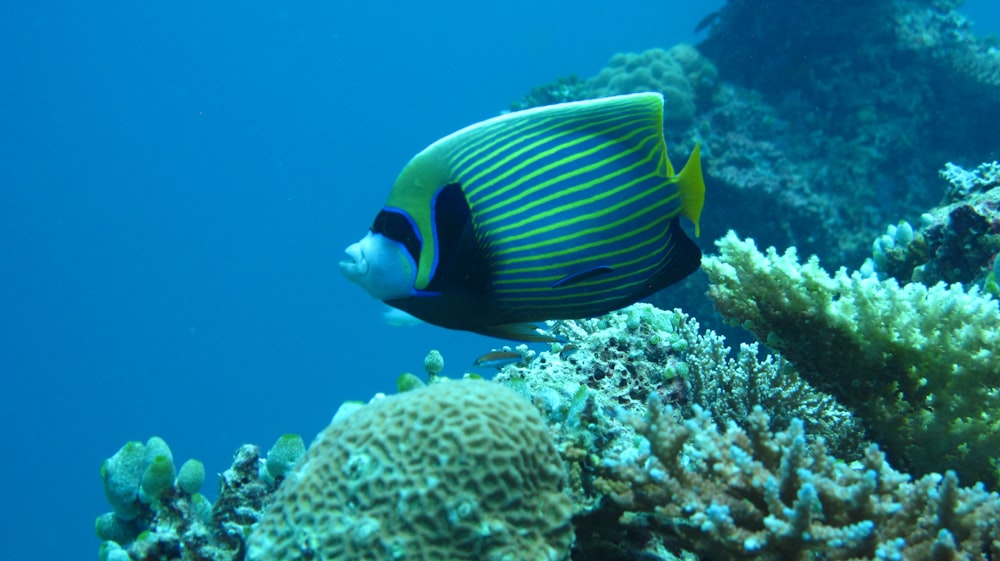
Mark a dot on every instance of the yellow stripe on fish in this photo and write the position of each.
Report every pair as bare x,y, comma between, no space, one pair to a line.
556,212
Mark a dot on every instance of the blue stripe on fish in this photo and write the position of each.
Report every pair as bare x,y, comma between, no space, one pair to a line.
557,212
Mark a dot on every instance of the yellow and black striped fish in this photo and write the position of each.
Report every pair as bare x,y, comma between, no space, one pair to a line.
558,212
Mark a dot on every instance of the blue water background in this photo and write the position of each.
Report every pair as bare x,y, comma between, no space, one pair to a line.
177,184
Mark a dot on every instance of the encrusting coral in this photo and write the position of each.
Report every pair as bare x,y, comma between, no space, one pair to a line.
919,365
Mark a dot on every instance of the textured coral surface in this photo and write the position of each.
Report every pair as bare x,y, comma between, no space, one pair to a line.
755,494
454,470
920,365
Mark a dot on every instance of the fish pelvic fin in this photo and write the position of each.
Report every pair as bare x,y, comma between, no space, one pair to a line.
691,185
527,332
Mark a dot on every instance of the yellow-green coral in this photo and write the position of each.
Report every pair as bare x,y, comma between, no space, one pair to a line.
920,365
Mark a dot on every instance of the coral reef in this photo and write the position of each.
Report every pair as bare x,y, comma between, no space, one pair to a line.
615,362
607,372
595,389
681,74
937,31
917,364
827,119
178,523
684,77
643,436
453,470
750,493
886,88
821,122
786,477
955,242
567,88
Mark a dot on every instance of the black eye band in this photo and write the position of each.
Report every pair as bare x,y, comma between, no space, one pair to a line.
398,227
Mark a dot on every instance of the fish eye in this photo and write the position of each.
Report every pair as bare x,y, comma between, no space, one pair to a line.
398,227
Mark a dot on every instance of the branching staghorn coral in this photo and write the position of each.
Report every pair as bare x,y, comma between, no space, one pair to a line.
621,359
731,387
615,363
742,494
920,365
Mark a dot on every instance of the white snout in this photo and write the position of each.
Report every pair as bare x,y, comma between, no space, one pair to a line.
357,267
381,266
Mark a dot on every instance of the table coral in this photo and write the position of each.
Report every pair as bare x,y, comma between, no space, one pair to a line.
919,365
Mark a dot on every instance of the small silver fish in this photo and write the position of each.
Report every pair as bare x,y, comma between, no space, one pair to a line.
498,359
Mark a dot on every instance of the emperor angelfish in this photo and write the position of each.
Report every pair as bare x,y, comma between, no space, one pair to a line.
558,212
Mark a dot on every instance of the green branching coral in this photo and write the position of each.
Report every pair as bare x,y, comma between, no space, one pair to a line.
920,365
740,494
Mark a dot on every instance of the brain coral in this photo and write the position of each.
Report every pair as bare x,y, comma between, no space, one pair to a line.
451,471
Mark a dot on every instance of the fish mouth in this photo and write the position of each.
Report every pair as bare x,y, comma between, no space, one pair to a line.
357,267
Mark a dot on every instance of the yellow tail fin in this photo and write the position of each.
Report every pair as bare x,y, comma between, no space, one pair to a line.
692,189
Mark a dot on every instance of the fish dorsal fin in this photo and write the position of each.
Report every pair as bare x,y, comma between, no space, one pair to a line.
464,154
